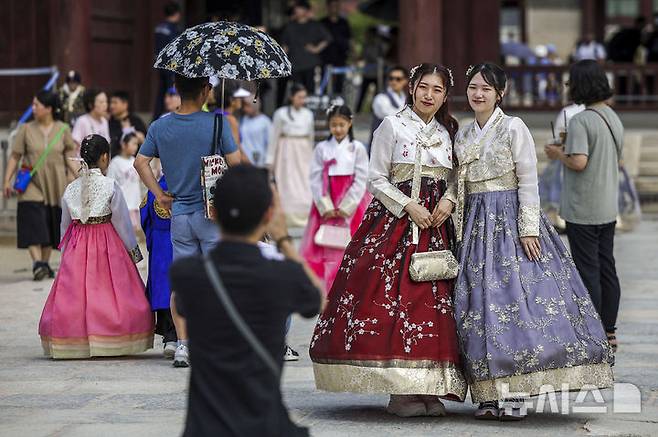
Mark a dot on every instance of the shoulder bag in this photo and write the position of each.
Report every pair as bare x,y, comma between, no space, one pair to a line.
213,166
26,173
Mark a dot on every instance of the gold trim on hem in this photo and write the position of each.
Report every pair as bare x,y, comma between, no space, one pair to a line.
96,346
443,379
530,384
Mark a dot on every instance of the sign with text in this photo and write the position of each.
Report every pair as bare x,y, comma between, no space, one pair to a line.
212,168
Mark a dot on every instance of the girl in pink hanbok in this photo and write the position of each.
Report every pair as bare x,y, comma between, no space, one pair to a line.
97,305
339,172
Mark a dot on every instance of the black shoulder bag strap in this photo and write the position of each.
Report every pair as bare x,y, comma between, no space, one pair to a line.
614,139
237,320
218,127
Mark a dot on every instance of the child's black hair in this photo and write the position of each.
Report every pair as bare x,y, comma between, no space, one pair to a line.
341,111
92,148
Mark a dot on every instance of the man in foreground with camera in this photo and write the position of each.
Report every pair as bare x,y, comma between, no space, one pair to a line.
232,390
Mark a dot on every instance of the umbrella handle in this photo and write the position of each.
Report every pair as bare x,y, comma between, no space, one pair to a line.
223,82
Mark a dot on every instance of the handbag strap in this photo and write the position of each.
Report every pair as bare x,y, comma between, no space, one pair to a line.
217,128
44,154
415,190
614,139
237,320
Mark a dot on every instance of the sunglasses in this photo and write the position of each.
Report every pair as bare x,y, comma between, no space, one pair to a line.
396,78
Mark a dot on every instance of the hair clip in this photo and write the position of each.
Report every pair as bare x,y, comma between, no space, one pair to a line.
331,109
469,70
452,81
412,72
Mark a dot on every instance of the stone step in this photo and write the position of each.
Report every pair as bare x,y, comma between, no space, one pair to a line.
649,152
648,167
647,185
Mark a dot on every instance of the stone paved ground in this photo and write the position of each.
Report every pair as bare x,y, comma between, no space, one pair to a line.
144,396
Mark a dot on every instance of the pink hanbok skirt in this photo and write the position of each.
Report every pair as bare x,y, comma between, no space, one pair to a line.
325,261
97,305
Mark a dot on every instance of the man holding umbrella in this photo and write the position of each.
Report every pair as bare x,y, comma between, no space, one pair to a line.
182,138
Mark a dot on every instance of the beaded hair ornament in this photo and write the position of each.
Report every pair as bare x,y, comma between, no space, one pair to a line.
412,73
333,107
469,70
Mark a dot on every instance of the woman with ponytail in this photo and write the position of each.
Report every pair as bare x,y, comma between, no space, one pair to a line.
385,330
97,305
41,147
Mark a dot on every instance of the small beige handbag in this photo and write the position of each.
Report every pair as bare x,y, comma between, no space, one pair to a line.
437,265
332,236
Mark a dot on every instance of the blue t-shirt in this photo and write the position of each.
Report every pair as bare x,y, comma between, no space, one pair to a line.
180,141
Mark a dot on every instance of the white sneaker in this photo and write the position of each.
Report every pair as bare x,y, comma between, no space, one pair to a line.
182,356
169,350
290,354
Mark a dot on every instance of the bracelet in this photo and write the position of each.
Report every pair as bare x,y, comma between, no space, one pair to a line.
281,240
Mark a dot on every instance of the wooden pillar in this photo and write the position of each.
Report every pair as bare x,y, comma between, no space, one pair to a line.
70,36
593,18
421,36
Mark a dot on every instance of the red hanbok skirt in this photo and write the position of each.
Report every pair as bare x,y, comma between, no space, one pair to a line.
382,332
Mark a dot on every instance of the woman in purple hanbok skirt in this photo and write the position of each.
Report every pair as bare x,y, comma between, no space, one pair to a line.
525,320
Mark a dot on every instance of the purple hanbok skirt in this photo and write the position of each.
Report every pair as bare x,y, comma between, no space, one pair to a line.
524,327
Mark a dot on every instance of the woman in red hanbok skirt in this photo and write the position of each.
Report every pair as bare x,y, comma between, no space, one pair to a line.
97,305
382,332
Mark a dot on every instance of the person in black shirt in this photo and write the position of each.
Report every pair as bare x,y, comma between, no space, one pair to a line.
232,391
122,121
165,33
339,48
304,39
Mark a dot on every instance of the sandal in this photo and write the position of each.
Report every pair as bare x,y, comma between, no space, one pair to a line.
612,340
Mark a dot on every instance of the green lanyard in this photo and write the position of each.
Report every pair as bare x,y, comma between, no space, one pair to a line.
45,153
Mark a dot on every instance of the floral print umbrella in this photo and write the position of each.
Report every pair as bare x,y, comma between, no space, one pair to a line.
227,50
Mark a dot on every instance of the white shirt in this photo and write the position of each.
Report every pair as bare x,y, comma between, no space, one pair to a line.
289,122
381,104
562,120
593,50
394,142
122,171
87,125
105,198
351,159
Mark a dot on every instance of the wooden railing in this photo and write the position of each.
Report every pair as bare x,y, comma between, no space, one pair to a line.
542,87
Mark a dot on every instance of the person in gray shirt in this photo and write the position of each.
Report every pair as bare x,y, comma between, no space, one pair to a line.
591,187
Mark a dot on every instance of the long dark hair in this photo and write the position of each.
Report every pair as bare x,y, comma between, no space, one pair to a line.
92,148
443,114
50,100
492,74
341,111
588,83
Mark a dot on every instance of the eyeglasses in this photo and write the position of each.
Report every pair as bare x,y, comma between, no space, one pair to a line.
396,78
